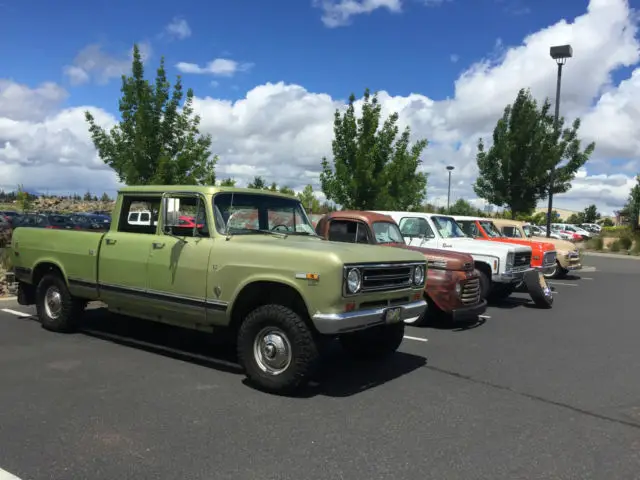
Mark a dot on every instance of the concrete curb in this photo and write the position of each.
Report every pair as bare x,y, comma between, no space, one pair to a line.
8,299
610,255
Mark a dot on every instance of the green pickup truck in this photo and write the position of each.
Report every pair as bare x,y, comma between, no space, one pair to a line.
226,260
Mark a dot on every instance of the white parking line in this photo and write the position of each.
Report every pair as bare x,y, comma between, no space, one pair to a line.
4,475
565,284
586,278
486,317
19,314
418,339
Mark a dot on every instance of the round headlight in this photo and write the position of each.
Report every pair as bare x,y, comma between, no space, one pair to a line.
418,275
354,280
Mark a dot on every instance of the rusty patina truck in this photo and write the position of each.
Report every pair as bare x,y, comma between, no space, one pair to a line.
452,290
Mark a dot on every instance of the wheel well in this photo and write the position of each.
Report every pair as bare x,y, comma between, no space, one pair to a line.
257,294
43,269
484,268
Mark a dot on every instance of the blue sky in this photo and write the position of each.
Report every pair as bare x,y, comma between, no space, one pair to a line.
284,39
448,67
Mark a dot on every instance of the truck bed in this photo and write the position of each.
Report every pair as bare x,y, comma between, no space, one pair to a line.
74,252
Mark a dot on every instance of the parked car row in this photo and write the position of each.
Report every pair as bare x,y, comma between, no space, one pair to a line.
253,265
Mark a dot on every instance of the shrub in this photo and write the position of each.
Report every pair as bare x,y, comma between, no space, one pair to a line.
615,246
616,231
595,243
625,242
636,248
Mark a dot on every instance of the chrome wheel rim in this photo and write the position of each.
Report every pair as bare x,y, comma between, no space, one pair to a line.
53,302
272,351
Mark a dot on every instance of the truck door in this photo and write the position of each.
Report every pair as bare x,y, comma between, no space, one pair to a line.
417,232
122,260
178,266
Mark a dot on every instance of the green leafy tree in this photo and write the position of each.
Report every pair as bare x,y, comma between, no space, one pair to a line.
23,199
515,171
258,183
371,168
309,200
591,214
607,222
228,182
87,196
632,208
154,142
105,197
462,207
287,191
576,218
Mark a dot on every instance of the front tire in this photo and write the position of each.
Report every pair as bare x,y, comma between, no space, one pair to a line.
277,349
373,343
538,289
57,309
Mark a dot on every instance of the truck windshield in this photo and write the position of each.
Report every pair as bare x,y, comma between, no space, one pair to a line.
387,232
490,228
447,227
246,213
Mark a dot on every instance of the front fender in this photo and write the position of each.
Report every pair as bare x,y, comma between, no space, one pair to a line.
278,278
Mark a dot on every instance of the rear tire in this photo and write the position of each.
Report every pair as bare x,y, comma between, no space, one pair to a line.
57,309
277,349
373,343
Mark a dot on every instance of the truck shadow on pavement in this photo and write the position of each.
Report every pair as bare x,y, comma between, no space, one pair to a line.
460,326
339,375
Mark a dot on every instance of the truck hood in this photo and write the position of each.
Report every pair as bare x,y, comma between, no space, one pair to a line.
340,252
484,247
442,258
560,245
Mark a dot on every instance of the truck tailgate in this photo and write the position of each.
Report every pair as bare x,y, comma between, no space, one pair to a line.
74,252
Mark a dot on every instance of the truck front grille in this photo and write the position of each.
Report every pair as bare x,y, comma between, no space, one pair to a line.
385,277
522,259
470,293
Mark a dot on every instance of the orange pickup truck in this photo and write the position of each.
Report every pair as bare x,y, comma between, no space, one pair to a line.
452,288
543,254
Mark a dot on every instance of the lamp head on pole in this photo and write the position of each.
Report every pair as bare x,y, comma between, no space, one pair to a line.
560,53
450,167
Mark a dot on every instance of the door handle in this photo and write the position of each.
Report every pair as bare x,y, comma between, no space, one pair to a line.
157,245
110,241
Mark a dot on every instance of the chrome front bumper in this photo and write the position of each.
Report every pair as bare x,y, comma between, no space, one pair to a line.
510,277
336,323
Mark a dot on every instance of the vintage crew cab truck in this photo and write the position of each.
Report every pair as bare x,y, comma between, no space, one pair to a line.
543,254
251,264
501,267
567,254
453,287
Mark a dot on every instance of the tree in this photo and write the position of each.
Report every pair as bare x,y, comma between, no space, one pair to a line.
576,218
287,191
515,171
462,207
105,197
371,169
154,142
258,183
607,222
591,214
228,182
309,200
23,199
632,208
87,196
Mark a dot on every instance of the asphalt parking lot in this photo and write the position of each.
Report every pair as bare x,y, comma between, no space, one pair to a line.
523,394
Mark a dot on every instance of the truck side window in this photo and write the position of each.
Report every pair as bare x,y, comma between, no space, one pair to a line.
511,232
133,205
187,216
470,228
348,232
414,227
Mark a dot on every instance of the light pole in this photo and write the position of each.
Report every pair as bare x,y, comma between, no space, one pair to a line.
560,54
449,167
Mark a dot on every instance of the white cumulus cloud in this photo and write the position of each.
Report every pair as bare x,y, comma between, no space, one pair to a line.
221,67
281,131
